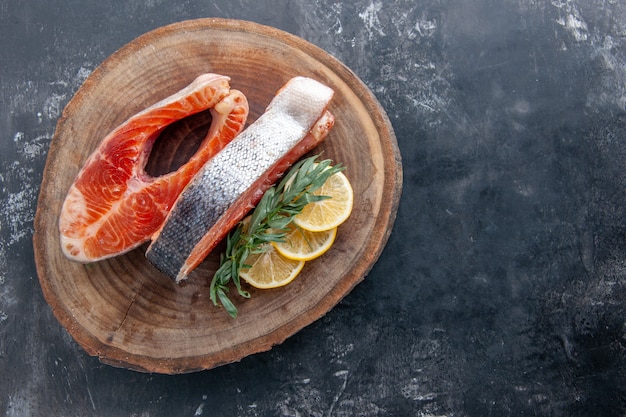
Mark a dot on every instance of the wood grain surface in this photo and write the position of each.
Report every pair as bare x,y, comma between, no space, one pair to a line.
122,309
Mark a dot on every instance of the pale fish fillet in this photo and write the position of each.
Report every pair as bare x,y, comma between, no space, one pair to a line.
113,205
234,181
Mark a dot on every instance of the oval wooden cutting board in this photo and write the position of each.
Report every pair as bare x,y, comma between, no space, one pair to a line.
122,309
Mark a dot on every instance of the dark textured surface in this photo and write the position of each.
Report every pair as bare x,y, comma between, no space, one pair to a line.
502,290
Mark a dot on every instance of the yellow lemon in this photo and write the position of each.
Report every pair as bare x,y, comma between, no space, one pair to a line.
269,269
304,245
329,213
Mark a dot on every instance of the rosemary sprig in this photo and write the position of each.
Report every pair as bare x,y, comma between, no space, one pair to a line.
268,223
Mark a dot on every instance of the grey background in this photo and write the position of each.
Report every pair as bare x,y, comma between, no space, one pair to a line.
502,289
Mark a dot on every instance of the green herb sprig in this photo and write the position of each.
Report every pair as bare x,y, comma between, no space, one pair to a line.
268,223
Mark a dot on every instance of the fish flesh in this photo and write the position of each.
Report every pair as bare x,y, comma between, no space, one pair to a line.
233,182
114,206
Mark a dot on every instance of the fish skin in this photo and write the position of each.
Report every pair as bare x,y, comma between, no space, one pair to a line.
231,183
114,205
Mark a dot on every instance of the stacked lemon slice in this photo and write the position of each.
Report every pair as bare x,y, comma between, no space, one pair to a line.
310,235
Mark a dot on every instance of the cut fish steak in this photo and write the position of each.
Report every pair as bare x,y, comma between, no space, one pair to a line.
114,206
234,181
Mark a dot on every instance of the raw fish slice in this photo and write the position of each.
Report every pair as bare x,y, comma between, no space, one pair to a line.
114,205
234,181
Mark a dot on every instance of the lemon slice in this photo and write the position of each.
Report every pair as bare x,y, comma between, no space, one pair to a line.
270,269
304,245
329,213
